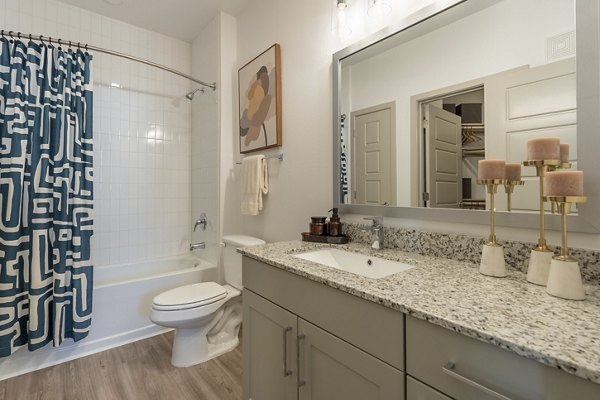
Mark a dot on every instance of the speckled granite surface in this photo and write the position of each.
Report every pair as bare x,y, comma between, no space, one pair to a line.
508,312
468,248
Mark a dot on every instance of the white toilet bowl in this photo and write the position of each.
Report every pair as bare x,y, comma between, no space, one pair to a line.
206,316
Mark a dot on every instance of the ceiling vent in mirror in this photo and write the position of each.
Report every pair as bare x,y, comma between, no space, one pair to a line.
560,46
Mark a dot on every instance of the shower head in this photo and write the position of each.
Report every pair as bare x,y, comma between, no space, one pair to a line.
190,95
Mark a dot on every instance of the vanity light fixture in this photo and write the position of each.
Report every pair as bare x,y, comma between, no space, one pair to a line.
378,8
342,27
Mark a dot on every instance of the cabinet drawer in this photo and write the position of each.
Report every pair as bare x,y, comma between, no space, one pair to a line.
465,368
376,329
416,390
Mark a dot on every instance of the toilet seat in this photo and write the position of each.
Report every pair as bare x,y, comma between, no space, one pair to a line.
189,296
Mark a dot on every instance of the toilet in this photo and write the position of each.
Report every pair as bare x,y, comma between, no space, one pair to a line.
206,316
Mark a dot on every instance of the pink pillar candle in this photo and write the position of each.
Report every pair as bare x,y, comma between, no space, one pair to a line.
564,153
546,148
513,172
563,183
491,169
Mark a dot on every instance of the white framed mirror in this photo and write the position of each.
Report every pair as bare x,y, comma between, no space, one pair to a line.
496,72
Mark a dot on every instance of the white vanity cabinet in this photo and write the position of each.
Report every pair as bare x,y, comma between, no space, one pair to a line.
304,340
466,368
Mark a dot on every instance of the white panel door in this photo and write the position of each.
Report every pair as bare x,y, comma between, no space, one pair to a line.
530,103
444,157
373,177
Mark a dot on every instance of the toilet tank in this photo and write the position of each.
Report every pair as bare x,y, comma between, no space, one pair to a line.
232,260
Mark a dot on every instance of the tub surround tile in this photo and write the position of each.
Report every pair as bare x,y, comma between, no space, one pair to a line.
509,313
468,248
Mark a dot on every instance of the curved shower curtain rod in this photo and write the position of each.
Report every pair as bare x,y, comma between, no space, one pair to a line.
62,42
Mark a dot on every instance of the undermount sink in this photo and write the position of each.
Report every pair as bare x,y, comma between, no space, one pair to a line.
360,264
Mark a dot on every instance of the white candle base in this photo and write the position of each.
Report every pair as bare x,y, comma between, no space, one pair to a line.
564,280
492,261
539,267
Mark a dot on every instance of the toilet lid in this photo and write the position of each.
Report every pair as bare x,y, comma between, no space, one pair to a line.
190,296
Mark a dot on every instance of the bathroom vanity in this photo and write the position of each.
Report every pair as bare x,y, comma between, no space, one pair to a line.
437,331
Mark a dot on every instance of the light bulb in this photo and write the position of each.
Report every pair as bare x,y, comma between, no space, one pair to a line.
378,8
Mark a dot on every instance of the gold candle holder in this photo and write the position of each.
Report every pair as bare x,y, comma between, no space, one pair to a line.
564,204
492,255
492,187
509,188
564,279
541,167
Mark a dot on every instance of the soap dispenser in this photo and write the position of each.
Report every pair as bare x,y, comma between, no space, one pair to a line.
335,226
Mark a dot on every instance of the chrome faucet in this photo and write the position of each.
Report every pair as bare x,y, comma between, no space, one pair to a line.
201,221
377,228
195,246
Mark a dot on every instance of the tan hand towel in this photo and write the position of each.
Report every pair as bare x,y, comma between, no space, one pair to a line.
255,182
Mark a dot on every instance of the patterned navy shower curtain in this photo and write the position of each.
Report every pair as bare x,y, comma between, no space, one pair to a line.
46,194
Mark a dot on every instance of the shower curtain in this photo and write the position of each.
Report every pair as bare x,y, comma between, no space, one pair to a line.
46,195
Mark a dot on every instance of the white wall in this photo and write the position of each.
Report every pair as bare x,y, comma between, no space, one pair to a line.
302,185
205,140
229,187
141,132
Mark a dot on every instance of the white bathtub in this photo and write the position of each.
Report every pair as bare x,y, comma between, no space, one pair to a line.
122,299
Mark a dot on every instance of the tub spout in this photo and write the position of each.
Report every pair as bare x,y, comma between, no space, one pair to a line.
195,246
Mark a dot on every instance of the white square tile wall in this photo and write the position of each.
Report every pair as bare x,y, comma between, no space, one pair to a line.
142,131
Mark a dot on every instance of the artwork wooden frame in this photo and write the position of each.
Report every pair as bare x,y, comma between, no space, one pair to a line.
259,99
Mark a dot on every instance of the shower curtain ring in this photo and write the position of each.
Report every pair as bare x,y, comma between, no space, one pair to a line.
19,35
86,47
78,45
10,33
30,37
42,39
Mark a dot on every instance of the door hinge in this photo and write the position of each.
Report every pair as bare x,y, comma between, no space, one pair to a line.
425,196
425,123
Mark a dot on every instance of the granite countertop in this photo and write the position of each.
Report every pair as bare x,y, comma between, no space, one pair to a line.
507,312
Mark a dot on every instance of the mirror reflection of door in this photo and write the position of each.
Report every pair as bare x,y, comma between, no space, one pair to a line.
531,103
373,149
443,158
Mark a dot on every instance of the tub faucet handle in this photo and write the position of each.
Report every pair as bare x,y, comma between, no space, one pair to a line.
201,221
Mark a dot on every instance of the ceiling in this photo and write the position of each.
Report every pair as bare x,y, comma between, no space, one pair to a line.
181,19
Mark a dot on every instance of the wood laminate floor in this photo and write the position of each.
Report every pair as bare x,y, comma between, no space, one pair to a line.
137,371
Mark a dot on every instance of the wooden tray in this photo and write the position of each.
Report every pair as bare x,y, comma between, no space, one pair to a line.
341,239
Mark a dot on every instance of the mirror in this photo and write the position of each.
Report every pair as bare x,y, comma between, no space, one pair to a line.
490,74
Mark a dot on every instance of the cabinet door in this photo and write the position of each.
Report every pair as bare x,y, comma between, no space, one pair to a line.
331,369
269,350
416,390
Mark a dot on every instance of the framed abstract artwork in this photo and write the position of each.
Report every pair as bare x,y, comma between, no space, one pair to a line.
259,86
